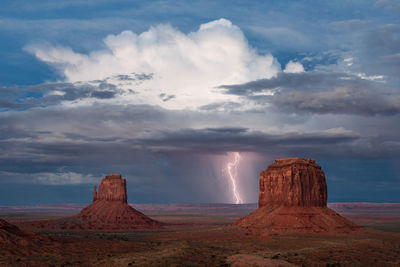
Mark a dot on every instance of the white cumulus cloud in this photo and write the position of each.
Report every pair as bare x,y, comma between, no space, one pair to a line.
186,68
293,67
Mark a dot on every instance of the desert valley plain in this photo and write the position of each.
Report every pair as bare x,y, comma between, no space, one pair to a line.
291,226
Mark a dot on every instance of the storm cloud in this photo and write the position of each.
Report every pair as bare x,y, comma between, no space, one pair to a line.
45,95
322,93
164,95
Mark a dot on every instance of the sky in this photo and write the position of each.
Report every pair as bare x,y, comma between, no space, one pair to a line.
167,93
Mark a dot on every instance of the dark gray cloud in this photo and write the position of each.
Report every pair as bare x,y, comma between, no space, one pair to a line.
101,129
132,77
53,93
143,76
161,165
80,137
340,100
322,93
379,52
165,97
214,140
306,80
89,135
366,83
159,162
221,106
103,94
77,147
162,152
227,130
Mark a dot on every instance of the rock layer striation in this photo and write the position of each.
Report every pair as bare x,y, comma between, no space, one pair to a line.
292,199
293,182
112,188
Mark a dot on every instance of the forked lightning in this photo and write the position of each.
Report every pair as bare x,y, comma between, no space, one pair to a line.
232,173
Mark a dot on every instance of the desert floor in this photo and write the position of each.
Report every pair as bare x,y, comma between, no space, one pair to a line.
200,235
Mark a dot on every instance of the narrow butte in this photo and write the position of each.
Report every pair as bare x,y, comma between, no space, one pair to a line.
108,211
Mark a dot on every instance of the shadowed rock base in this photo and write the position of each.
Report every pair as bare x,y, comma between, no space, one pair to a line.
10,232
273,220
113,215
13,240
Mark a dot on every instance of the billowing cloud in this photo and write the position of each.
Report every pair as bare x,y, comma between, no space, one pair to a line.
186,68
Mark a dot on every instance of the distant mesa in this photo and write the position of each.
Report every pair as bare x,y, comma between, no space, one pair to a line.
292,199
108,211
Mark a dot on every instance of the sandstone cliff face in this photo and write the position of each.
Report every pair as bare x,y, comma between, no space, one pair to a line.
292,199
293,182
112,188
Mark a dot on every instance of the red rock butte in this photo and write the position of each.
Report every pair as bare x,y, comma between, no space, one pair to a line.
292,199
110,209
112,188
293,182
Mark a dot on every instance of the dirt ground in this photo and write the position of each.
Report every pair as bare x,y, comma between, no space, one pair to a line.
201,237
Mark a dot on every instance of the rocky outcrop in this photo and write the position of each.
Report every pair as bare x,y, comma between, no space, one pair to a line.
9,229
108,211
14,241
292,199
293,182
112,188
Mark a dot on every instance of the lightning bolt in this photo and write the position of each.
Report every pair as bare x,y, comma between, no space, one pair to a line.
231,167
